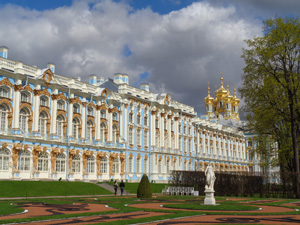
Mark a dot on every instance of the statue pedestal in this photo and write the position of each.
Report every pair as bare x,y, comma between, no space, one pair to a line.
209,197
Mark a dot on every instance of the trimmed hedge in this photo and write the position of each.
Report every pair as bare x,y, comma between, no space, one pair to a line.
144,188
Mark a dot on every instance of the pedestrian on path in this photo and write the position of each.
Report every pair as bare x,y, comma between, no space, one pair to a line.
116,187
122,185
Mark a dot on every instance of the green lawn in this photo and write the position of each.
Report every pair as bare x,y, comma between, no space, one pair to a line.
132,187
48,188
8,208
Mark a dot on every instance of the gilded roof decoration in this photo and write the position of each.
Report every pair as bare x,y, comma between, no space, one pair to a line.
6,82
75,100
59,96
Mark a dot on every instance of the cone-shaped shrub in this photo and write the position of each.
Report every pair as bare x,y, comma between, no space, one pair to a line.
144,189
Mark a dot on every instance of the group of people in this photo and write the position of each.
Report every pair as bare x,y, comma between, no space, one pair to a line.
122,186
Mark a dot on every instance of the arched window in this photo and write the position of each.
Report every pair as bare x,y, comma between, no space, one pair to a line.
145,121
25,97
166,140
89,131
130,165
130,117
76,163
42,123
115,168
60,165
23,119
75,128
138,119
115,116
43,162
4,159
90,164
103,165
145,165
168,166
60,126
138,165
60,105
76,108
114,137
102,132
3,114
138,137
159,167
24,164
180,144
103,114
173,142
90,111
157,140
130,136
145,138
4,92
44,101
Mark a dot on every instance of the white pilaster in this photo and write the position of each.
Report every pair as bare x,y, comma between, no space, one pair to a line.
16,111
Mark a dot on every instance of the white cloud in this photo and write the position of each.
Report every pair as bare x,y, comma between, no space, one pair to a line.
182,50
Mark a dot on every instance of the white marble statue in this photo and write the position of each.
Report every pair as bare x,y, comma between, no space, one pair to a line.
210,177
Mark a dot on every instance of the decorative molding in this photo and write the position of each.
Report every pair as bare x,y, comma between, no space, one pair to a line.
59,96
75,100
103,106
6,82
47,76
18,87
41,92
114,109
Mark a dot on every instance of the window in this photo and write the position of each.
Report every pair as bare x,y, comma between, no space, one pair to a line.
59,126
184,129
145,165
103,114
3,120
179,128
157,140
4,159
115,168
180,144
130,136
60,165
138,119
184,145
89,131
44,101
43,162
102,132
156,123
130,166
114,137
90,164
24,97
172,127
159,167
184,166
115,116
60,105
42,124
4,92
165,124
190,145
166,140
130,117
249,143
173,142
145,138
145,121
24,164
76,108
75,128
103,165
138,137
76,163
23,119
168,166
138,165
90,111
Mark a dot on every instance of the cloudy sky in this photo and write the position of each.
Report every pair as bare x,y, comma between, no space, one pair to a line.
177,46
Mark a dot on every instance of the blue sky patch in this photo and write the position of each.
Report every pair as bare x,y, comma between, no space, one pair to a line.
126,51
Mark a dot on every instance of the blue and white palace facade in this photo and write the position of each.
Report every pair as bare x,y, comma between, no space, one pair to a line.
54,126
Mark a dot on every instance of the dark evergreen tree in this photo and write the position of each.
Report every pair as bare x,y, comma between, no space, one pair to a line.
144,189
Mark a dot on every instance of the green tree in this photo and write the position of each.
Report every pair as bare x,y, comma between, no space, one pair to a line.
144,189
271,87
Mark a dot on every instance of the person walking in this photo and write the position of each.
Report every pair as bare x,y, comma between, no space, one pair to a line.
116,187
122,185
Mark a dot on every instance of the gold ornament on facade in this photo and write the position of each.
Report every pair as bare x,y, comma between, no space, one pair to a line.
75,100
47,76
18,87
59,96
6,82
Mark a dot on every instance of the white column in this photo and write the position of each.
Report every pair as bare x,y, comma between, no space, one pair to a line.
84,113
176,133
125,129
36,106
70,119
161,120
110,122
16,111
98,125
53,116
153,133
122,121
169,133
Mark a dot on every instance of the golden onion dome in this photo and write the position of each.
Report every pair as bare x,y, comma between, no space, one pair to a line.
221,91
208,98
228,97
235,99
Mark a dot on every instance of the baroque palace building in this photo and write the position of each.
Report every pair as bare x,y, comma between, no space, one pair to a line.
54,127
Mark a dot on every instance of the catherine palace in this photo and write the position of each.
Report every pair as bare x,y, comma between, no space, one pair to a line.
53,126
